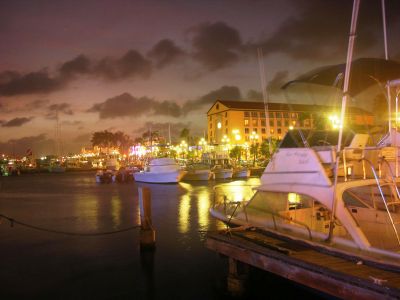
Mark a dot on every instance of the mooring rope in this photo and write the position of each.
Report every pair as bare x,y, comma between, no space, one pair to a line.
13,221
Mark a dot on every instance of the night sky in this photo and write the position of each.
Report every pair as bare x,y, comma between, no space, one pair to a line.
134,65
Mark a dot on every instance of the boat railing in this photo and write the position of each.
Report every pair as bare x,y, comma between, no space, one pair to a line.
379,185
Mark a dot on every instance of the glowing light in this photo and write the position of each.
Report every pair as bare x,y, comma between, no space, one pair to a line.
335,121
293,198
290,127
219,125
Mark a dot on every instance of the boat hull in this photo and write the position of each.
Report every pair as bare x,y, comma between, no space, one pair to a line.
156,177
223,174
198,175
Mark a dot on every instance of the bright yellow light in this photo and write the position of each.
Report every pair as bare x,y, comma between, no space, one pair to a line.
219,125
293,198
290,127
237,137
335,121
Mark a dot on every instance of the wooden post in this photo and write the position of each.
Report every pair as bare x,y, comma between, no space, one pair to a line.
147,232
238,274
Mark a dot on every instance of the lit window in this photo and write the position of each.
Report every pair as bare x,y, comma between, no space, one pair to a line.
246,122
254,122
279,131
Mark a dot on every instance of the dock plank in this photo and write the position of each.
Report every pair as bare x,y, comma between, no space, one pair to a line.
340,277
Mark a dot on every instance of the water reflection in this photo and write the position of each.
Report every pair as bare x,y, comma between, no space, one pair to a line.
184,213
87,211
203,206
116,211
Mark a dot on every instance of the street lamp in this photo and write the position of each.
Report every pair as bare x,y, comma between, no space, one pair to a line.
202,144
183,147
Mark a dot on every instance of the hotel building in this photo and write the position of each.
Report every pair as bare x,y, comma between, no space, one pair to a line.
238,122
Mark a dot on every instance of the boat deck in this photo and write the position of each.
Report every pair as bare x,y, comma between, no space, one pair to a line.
340,276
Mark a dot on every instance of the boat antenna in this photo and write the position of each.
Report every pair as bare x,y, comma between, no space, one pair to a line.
265,96
352,36
387,58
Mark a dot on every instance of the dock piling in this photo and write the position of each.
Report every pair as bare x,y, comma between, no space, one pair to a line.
147,232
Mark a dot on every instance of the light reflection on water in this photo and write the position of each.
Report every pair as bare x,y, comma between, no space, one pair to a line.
184,213
54,266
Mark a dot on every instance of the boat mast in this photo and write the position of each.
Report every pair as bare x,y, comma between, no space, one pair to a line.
265,96
352,36
387,58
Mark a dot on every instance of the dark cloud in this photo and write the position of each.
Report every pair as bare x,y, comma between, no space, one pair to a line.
59,108
78,66
223,93
16,122
165,52
31,83
18,147
131,64
319,30
275,85
36,104
216,45
71,123
253,95
124,105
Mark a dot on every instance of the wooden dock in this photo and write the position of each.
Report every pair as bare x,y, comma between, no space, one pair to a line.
338,276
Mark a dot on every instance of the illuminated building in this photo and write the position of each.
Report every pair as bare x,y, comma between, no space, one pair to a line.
237,120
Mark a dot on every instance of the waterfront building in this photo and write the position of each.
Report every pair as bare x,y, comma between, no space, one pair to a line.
243,122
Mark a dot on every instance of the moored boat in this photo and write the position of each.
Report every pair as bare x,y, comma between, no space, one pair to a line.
222,172
198,172
241,172
161,170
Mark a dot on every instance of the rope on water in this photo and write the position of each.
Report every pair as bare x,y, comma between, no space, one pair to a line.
13,221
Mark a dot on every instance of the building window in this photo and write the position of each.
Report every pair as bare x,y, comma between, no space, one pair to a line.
279,123
263,122
279,115
279,131
211,134
217,107
226,114
286,115
255,130
210,125
246,114
246,122
226,122
272,131
272,115
262,115
254,122
210,118
294,115
286,123
271,123
263,130
246,130
254,114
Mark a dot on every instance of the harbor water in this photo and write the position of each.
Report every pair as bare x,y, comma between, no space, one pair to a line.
37,264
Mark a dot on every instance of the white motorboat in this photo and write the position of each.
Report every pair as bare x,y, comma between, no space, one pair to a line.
241,172
198,172
298,199
221,172
161,170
